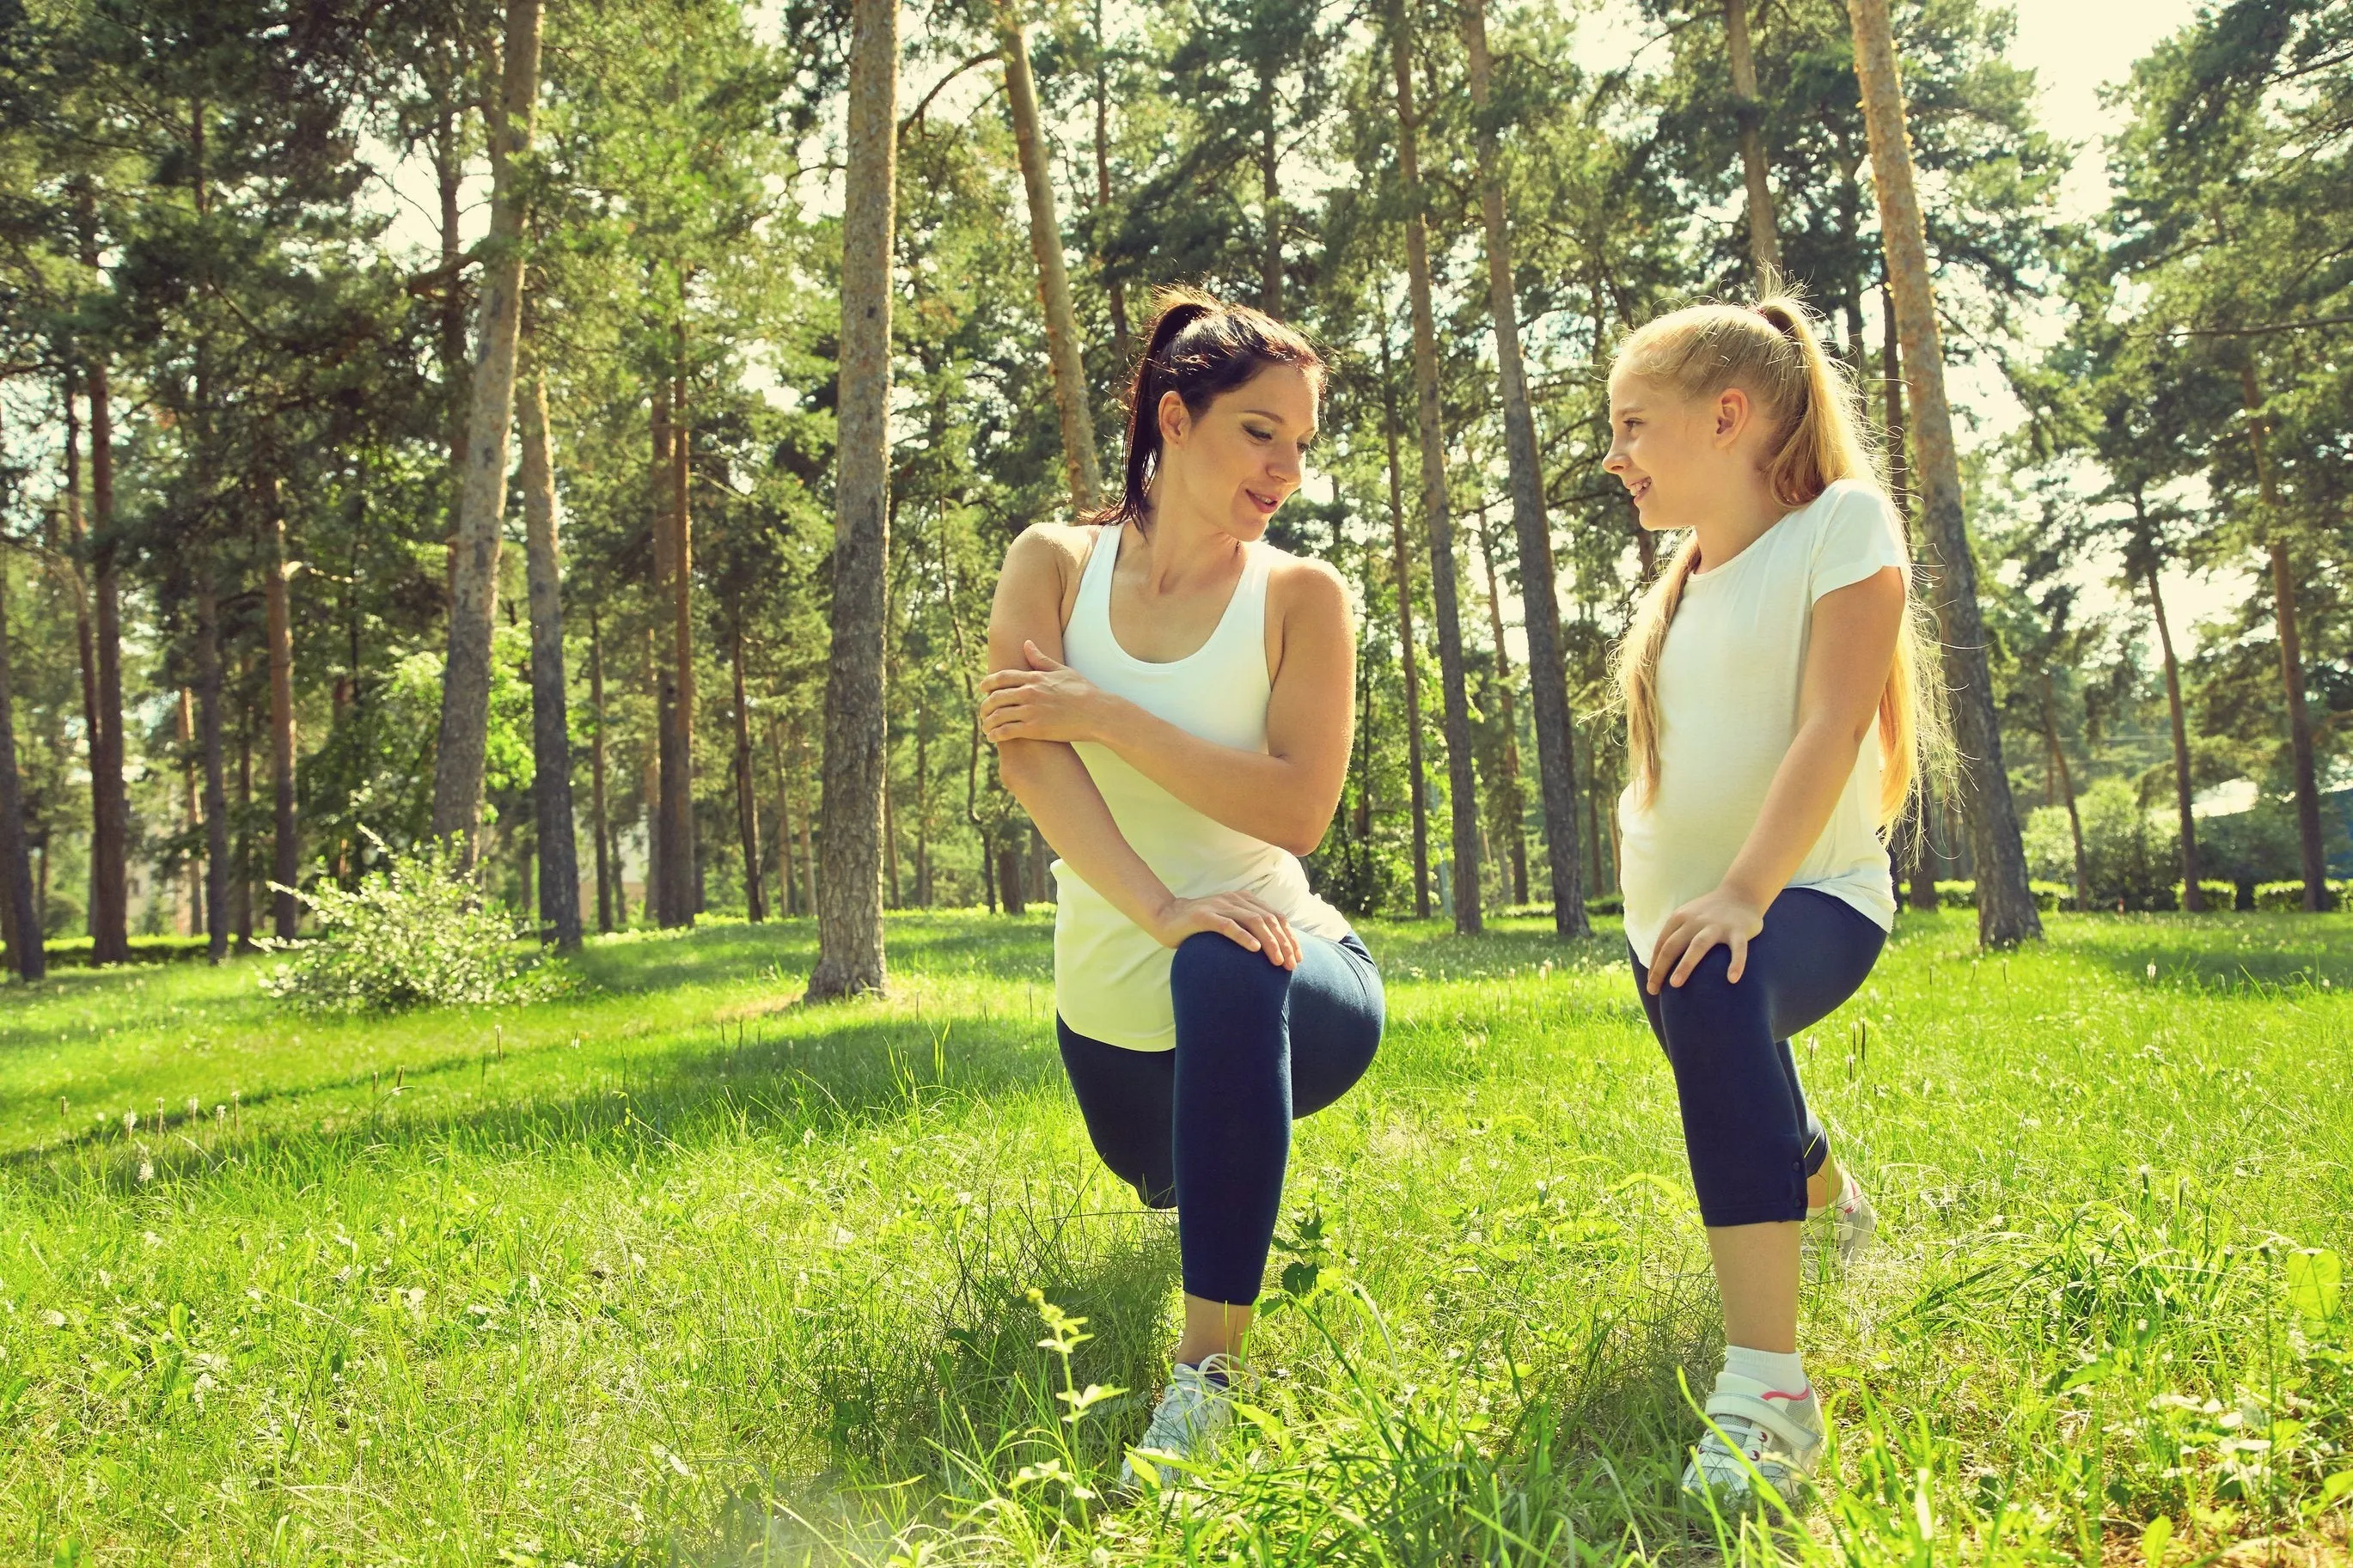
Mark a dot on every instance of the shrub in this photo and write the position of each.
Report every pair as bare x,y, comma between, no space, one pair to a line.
2131,853
2290,895
414,933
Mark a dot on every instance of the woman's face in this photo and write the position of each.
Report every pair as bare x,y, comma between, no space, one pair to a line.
1243,455
1676,455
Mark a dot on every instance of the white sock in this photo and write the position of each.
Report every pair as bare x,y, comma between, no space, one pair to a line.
1784,1374
1839,1199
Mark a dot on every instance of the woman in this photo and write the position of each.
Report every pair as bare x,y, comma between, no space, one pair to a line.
1171,703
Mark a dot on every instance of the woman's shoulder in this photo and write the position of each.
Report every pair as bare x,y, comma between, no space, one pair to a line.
1303,582
1058,548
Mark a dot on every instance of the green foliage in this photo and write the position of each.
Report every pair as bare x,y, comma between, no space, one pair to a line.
2132,853
415,932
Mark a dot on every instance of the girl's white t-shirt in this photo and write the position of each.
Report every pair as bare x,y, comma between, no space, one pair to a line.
1728,683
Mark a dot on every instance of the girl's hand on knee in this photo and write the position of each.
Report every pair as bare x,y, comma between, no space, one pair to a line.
1720,918
1238,917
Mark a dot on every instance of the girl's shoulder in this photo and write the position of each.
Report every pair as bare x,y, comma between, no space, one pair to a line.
1303,582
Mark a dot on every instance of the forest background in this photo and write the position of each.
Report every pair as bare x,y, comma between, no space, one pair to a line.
640,526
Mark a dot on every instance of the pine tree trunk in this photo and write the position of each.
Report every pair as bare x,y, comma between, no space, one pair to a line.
685,867
923,804
747,807
208,730
1913,837
27,952
1115,291
849,894
190,810
240,892
789,901
551,734
110,807
1763,243
285,836
2066,789
2291,652
1062,351
599,824
1417,779
1540,607
2006,911
1269,187
1507,792
76,548
1462,780
457,375
2193,897
466,682
660,695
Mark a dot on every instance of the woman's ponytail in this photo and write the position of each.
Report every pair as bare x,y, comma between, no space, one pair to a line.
1198,348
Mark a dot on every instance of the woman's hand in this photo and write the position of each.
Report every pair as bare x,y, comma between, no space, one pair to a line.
1721,917
1235,916
1047,701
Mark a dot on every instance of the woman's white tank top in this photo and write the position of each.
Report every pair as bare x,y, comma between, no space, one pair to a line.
1111,978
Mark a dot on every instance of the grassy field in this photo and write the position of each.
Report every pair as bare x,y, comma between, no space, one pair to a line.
676,1270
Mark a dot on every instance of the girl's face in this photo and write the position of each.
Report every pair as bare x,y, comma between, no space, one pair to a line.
1677,455
1241,458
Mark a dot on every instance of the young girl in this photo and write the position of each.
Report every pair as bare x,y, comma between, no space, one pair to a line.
1774,706
1171,703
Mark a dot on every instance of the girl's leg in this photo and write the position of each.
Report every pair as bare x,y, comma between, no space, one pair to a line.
1127,1099
1753,1145
1256,1045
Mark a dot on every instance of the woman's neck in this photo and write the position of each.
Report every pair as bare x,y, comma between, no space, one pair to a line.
1738,522
1183,549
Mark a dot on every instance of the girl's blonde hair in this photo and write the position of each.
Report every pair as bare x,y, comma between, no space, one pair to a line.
1769,350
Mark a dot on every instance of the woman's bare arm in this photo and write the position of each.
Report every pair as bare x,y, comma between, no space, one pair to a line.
1286,795
1054,787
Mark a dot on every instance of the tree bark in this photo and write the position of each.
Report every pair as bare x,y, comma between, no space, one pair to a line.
849,894
208,730
2006,911
551,734
190,810
599,824
240,892
1115,289
285,835
2193,897
74,548
2065,787
111,811
448,177
1913,837
27,952
2291,651
1062,351
1764,242
1462,780
747,807
1507,793
659,693
1270,184
466,682
684,866
1409,650
789,902
1540,607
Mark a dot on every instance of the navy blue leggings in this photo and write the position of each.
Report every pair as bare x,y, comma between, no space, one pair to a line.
1206,1127
1751,1141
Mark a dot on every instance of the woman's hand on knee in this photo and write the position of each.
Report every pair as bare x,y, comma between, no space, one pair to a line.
1720,918
1247,922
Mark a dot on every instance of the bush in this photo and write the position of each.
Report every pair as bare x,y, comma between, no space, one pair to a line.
2131,854
2218,895
2290,895
414,933
2049,896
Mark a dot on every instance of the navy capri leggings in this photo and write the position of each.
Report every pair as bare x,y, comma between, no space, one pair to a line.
1206,1127
1751,1141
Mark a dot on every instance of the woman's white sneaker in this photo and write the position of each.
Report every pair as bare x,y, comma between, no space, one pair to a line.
1193,1409
1756,1433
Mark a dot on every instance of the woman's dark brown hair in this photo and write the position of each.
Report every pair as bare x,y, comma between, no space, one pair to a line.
1200,348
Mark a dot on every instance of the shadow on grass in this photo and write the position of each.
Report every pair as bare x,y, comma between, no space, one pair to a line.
734,1083
2233,954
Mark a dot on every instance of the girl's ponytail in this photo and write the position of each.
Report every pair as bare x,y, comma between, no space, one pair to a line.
1197,349
1772,351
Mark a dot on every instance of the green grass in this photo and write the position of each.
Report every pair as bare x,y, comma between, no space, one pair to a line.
679,1271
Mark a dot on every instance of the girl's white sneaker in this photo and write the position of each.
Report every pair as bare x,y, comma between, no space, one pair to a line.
1755,1432
1193,1409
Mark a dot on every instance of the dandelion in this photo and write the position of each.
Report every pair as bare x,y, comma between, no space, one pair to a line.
146,1170
129,1122
2152,972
